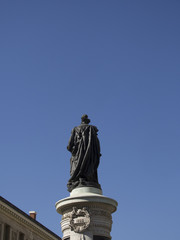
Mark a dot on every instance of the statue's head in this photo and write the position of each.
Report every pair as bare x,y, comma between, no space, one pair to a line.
85,119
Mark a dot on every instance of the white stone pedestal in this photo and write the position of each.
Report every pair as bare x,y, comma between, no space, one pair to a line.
86,215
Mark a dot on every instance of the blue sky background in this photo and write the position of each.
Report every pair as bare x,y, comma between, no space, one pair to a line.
117,61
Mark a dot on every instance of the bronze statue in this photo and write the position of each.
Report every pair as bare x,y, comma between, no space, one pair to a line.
85,148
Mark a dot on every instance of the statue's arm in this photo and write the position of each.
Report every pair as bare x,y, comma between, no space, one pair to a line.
71,141
97,141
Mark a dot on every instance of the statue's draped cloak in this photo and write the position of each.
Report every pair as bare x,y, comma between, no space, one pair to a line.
85,148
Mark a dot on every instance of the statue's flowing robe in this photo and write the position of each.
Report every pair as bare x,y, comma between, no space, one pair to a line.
85,148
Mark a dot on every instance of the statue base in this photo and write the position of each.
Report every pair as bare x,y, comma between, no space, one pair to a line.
86,214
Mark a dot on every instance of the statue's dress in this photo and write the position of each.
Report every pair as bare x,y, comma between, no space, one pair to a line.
85,148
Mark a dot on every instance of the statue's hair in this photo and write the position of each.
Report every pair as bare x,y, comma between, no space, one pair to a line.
85,119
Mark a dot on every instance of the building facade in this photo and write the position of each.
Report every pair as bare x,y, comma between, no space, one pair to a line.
17,225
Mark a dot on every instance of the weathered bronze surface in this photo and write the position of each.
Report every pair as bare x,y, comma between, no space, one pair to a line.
85,148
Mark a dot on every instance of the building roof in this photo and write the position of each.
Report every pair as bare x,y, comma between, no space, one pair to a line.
28,217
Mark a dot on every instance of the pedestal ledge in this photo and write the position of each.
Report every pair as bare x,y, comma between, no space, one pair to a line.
84,190
88,196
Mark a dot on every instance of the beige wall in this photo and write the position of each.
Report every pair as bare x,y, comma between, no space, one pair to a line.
16,225
16,230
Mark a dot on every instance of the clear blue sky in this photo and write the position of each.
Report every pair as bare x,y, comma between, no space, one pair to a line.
119,62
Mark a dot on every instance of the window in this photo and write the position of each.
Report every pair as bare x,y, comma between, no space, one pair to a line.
6,232
21,236
0,231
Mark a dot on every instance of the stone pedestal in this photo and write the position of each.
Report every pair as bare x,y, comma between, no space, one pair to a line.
86,215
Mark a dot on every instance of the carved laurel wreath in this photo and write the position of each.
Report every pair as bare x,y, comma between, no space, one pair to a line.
79,219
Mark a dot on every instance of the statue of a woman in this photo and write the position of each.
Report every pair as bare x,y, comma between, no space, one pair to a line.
85,148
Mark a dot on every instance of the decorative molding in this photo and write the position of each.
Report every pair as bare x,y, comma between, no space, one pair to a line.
100,212
79,219
89,204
